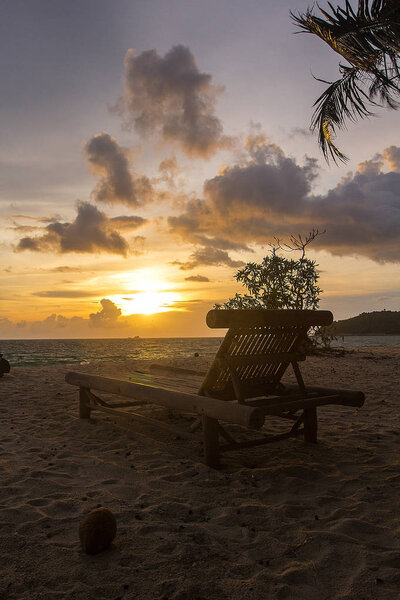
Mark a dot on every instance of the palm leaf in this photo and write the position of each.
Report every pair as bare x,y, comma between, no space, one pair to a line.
369,40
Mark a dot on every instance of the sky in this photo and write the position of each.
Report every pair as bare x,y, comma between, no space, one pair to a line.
150,148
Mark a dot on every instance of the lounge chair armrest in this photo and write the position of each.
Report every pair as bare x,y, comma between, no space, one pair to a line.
345,397
230,412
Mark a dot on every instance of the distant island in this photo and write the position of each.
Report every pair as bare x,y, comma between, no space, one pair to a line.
384,322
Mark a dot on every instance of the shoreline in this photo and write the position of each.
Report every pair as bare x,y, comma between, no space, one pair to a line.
287,521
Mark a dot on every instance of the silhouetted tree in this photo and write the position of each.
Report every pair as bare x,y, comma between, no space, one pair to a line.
369,40
278,281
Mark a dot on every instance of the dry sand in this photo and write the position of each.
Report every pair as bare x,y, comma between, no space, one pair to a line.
284,521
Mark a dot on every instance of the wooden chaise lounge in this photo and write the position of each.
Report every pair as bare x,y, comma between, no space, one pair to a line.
243,385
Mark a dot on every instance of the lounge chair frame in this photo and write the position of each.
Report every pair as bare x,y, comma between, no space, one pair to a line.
243,385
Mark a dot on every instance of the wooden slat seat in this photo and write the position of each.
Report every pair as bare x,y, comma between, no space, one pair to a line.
243,385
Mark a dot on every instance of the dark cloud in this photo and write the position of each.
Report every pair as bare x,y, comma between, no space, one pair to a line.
128,223
196,222
92,231
25,228
199,278
108,315
117,184
171,96
37,219
64,294
208,257
65,269
270,195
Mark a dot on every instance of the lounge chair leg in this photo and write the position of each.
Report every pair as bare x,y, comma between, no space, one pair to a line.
84,410
211,442
310,425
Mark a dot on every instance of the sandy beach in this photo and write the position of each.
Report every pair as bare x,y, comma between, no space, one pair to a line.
283,521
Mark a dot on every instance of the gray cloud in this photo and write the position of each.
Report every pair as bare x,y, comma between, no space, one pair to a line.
92,231
270,195
111,162
64,294
208,257
38,219
199,278
171,96
25,228
65,269
169,170
128,223
108,315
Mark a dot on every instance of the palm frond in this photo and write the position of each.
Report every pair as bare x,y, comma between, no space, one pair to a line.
342,99
369,40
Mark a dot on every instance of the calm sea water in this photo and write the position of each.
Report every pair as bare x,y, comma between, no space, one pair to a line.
50,352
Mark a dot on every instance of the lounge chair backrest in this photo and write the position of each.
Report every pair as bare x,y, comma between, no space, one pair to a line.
257,349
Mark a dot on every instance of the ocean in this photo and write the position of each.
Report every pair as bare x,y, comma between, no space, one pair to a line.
31,353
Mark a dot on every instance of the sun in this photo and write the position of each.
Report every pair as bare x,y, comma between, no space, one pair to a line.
152,294
146,303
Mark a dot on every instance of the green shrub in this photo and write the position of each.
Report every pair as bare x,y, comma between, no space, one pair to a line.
280,282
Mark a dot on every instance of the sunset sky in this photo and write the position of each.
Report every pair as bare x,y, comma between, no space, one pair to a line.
149,148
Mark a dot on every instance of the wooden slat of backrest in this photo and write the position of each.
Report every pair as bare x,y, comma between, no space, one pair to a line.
301,332
217,378
270,345
256,349
276,341
288,339
268,371
255,369
277,344
253,343
265,341
247,351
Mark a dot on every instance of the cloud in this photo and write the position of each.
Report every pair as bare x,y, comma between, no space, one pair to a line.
128,223
208,257
199,278
112,324
269,195
371,167
64,294
170,96
392,156
111,162
301,132
65,269
108,315
37,219
92,231
25,228
108,320
169,170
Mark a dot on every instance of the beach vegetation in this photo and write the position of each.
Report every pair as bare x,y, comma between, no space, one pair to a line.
280,281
